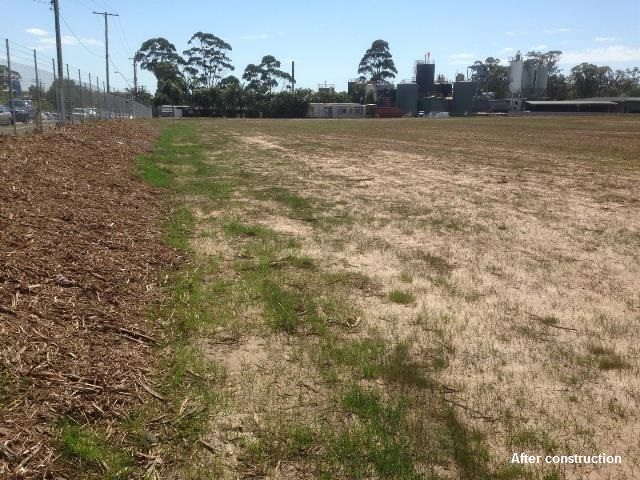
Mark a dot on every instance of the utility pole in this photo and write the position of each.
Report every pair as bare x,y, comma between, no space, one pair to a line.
293,76
61,113
135,79
106,41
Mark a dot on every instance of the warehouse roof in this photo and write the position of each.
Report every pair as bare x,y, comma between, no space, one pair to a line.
570,102
614,99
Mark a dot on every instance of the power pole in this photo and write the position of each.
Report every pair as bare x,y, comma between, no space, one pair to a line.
61,113
293,76
135,79
106,41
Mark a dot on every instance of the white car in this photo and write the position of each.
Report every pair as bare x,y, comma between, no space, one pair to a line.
5,116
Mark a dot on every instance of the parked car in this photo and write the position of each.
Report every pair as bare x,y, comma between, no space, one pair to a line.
5,115
22,115
20,104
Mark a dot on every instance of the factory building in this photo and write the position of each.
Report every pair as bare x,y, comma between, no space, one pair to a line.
586,105
336,110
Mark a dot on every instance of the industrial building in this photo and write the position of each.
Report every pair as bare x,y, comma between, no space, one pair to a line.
586,105
428,95
336,110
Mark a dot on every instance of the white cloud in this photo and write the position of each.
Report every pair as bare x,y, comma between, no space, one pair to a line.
542,46
46,42
605,39
557,30
91,41
513,34
38,32
461,58
612,54
508,50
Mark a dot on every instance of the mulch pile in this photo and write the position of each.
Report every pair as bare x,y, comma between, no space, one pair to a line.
80,261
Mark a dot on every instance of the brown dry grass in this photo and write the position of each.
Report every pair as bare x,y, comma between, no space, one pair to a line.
518,240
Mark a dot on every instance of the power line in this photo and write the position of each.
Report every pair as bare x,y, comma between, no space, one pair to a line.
120,73
77,38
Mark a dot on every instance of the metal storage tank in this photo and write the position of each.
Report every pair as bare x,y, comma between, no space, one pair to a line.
438,104
540,82
462,98
425,73
424,105
515,81
443,89
528,74
407,98
459,77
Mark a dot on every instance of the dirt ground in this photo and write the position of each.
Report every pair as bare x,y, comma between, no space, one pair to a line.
80,252
517,241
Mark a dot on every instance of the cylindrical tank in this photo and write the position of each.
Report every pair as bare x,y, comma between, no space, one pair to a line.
540,83
438,105
459,77
528,74
443,89
425,72
515,81
424,104
462,98
407,98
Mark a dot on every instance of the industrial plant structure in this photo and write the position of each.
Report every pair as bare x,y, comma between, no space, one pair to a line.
429,95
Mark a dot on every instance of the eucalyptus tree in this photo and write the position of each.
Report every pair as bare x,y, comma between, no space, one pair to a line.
207,60
160,57
377,63
266,76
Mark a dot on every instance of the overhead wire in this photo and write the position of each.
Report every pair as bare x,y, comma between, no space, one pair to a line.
78,38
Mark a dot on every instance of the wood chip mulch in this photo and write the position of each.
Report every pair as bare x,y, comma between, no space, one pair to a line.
81,256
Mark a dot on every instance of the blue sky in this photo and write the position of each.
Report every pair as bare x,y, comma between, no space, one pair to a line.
327,38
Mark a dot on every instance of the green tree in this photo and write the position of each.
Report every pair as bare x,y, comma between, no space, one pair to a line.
264,78
159,56
490,76
377,63
289,104
549,59
558,87
207,60
171,88
590,80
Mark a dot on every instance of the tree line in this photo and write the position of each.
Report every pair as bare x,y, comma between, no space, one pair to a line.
202,77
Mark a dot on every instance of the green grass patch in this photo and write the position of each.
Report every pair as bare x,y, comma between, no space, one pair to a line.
92,454
152,173
238,229
402,297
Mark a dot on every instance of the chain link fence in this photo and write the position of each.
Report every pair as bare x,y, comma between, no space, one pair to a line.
30,94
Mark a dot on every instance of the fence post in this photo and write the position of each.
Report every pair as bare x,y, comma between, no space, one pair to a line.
90,97
98,93
13,107
39,111
106,99
55,90
80,91
69,95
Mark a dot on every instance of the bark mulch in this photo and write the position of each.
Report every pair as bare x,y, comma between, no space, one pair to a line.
80,260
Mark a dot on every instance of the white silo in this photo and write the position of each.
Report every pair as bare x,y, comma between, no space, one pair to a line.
515,82
542,76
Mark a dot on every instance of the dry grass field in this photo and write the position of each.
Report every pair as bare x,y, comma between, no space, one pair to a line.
413,298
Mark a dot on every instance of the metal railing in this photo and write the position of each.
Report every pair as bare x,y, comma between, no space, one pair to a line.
30,91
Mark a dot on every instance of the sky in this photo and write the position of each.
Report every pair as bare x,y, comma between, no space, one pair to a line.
328,38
